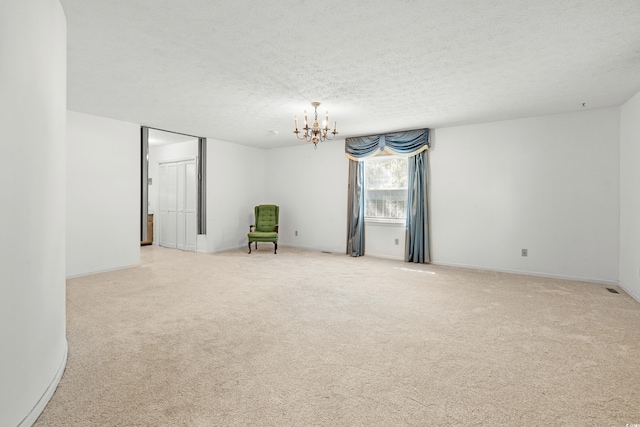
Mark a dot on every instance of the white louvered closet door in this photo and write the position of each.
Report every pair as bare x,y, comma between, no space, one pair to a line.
190,205
178,205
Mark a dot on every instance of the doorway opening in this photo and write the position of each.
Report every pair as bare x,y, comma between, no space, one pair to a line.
173,190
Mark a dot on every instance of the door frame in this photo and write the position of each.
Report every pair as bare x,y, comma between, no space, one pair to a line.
201,170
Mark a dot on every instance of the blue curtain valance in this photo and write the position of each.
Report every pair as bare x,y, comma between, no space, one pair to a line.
408,143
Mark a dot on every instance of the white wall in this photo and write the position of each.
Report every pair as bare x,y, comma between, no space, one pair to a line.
103,194
33,346
235,184
630,196
380,240
164,153
310,186
103,200
548,184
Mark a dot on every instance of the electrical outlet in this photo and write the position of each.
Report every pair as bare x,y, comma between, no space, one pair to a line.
524,252
296,233
397,241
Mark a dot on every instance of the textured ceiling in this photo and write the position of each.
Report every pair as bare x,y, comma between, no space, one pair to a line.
240,70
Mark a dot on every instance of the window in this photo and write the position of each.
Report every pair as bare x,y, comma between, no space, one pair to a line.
385,188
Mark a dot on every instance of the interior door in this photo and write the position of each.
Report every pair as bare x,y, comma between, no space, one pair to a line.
178,204
162,205
180,199
191,205
168,205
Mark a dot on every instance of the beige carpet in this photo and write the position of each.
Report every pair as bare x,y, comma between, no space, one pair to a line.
306,338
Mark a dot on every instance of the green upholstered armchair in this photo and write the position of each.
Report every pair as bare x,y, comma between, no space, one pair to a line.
266,226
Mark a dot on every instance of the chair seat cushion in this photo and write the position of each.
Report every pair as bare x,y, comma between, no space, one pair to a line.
263,236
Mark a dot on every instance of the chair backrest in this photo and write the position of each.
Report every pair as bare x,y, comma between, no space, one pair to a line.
266,217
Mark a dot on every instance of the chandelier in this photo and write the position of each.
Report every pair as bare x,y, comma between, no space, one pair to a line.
315,133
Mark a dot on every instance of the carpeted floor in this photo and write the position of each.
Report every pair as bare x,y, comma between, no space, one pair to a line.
306,338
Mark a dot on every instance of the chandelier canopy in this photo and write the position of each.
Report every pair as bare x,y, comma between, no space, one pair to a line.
315,133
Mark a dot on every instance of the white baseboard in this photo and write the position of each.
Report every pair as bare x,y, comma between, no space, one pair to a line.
89,273
384,257
530,273
231,248
628,290
33,415
312,248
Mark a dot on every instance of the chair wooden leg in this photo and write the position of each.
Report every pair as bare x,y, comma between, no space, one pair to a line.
256,246
249,247
275,249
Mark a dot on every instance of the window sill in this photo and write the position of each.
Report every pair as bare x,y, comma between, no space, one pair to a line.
385,222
